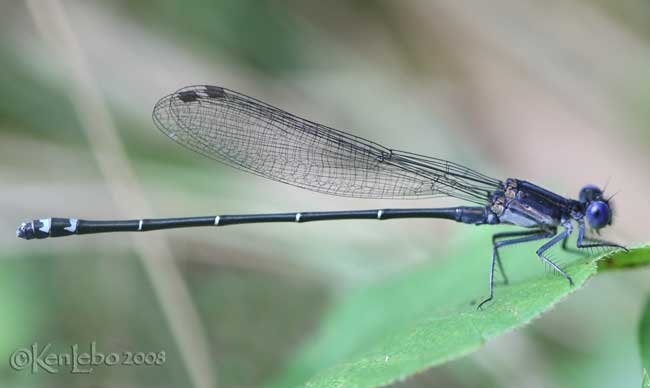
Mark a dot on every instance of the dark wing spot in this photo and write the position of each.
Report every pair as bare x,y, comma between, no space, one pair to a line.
188,96
214,91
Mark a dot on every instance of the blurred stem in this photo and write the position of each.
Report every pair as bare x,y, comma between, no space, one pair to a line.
170,288
644,342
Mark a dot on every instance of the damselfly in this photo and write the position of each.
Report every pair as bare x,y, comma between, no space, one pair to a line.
253,136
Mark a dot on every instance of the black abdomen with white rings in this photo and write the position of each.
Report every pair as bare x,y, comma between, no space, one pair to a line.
58,227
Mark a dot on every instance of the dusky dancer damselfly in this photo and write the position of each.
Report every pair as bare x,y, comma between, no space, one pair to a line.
253,136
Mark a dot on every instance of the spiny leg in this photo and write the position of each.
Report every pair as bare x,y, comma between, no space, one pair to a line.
540,252
598,243
537,236
519,233
567,248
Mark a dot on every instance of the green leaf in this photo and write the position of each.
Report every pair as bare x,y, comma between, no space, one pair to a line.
635,258
403,325
644,343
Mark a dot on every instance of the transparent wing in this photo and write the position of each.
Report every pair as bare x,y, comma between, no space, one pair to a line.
253,136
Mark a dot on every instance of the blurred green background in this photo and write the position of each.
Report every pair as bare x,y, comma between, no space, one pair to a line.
554,92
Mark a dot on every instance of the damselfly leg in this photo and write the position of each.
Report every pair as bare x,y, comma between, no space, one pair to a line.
531,235
597,244
519,233
559,237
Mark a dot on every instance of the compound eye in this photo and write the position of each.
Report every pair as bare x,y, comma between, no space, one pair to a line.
598,214
590,193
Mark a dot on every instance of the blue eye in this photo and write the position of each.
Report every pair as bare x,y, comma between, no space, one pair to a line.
598,214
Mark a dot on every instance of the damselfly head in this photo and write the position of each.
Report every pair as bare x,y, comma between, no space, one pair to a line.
597,209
